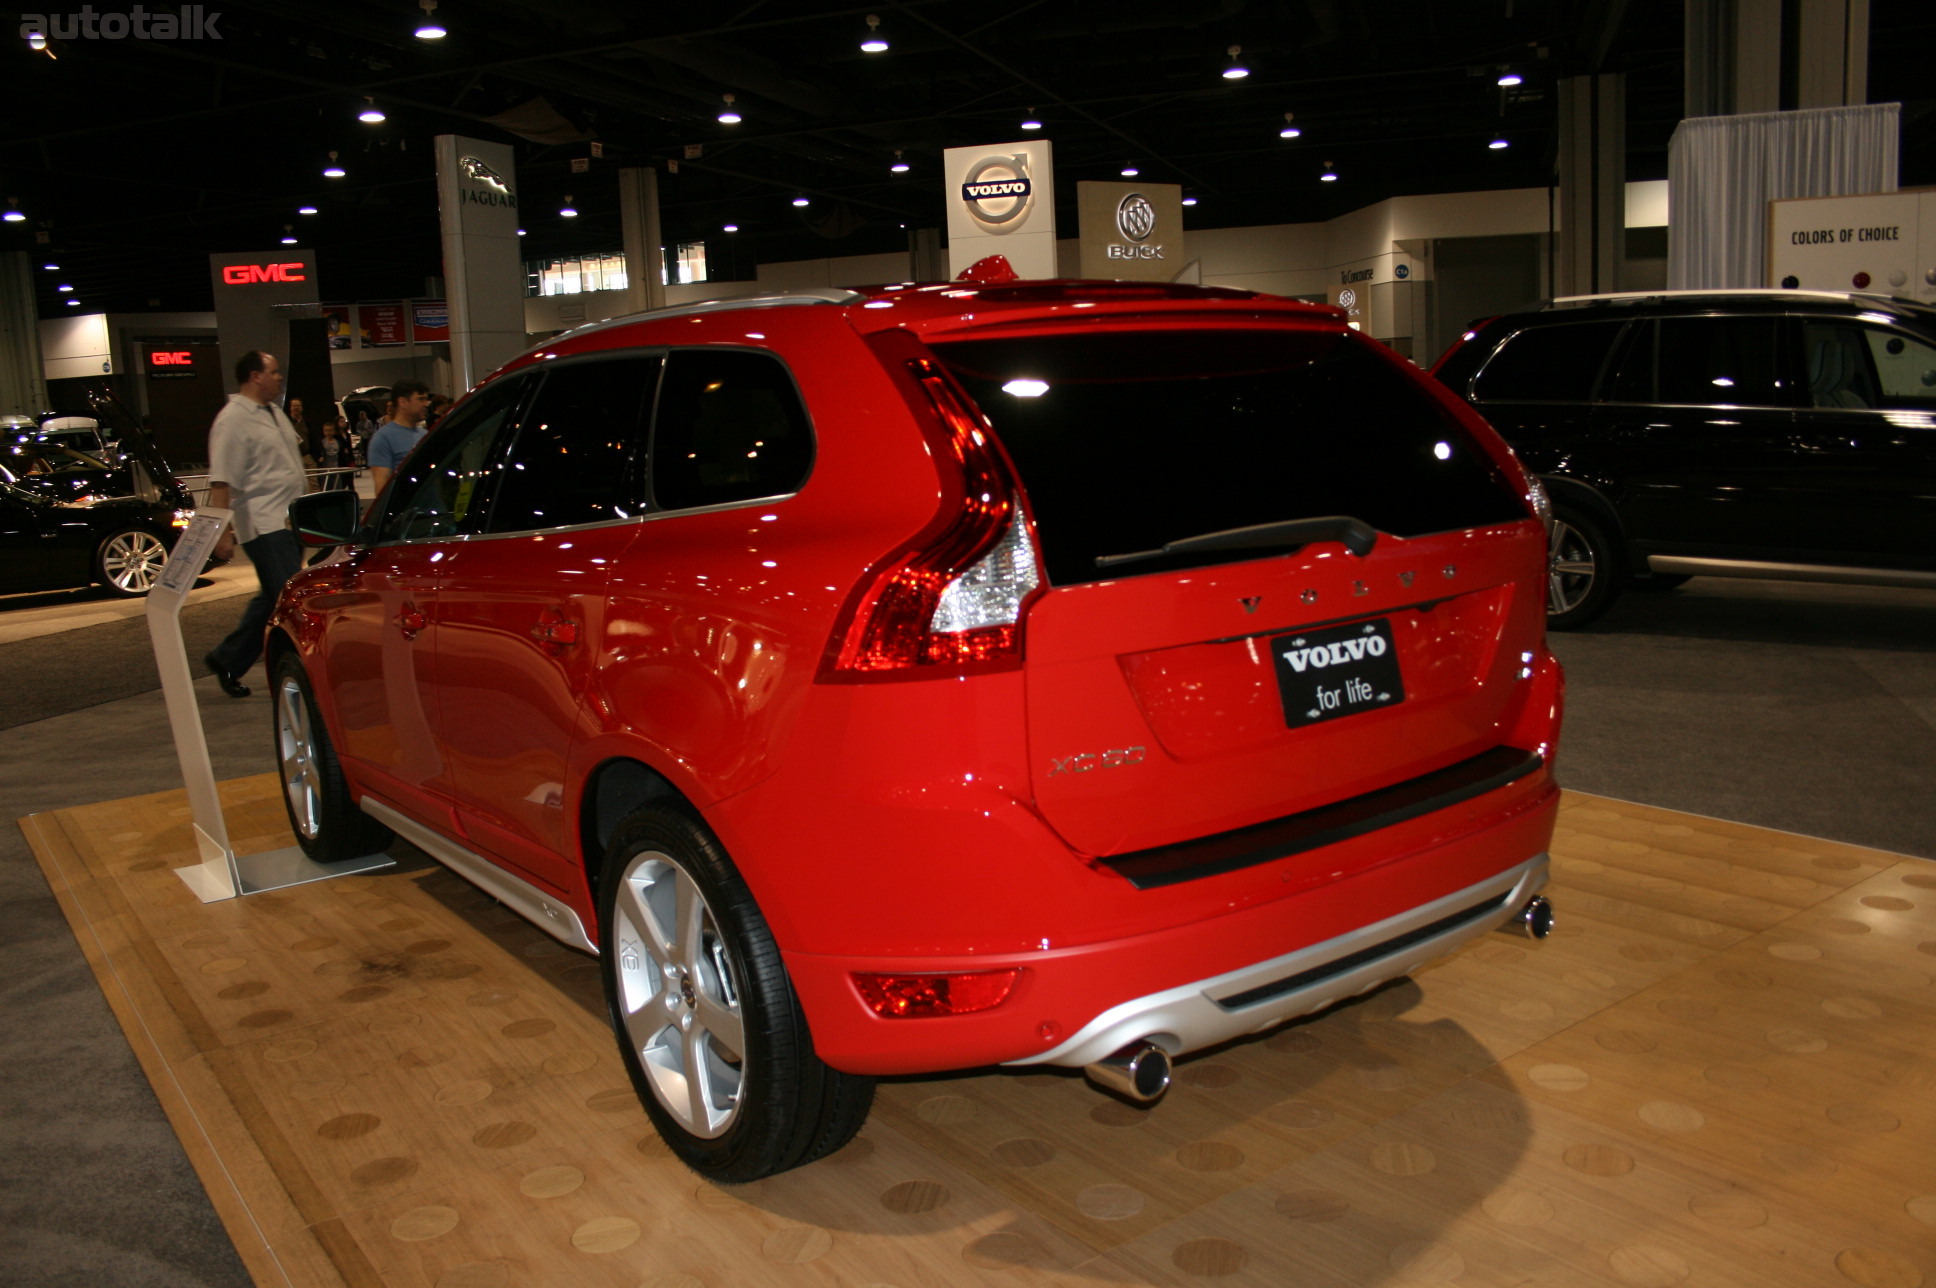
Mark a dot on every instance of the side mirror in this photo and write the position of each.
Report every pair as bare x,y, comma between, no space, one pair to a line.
326,518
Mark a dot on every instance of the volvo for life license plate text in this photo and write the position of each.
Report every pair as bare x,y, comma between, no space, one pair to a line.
1339,671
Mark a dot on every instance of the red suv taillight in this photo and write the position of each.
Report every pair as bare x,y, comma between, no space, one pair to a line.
950,602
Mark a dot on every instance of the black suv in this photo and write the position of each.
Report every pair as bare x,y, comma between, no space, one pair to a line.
1784,434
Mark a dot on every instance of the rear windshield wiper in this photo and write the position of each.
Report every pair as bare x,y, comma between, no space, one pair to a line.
1357,535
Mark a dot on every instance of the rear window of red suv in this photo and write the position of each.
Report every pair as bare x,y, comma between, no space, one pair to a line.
1128,440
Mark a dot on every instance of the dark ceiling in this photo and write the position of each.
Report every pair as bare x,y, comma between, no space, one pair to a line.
134,159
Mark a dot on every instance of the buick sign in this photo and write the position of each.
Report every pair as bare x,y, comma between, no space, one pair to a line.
997,192
1135,217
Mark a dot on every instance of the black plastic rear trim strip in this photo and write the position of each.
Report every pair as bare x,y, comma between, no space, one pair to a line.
1295,833
1351,961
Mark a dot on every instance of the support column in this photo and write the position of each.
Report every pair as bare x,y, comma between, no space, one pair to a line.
478,207
1832,53
1775,55
23,387
1592,184
644,240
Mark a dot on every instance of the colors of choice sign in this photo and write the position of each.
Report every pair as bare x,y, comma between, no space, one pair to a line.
1001,201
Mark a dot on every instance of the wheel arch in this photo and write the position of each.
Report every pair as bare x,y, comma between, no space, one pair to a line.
615,788
1567,490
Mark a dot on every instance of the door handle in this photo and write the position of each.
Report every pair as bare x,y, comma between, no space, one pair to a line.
411,621
558,632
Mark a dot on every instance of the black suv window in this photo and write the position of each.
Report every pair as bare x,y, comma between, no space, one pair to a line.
1851,365
1557,363
444,485
1127,441
570,462
1704,362
730,427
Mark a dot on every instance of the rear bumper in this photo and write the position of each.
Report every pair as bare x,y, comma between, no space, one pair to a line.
1210,978
1208,1011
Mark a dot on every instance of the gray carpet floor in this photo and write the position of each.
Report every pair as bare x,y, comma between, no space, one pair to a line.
1811,709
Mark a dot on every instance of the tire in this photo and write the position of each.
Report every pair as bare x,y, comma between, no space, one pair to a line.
328,825
1658,583
128,562
1584,570
694,983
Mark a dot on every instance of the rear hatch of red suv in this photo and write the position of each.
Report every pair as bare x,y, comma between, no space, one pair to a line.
1283,575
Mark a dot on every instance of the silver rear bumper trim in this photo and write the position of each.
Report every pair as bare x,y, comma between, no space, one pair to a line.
1200,1014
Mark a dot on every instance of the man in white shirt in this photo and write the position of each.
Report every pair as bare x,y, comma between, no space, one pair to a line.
254,469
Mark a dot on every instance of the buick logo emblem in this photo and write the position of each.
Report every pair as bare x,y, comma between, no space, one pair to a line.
997,192
1135,217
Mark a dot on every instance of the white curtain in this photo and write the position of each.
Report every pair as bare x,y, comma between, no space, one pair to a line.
1722,171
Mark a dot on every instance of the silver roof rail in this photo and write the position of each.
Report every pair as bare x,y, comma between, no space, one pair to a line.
814,295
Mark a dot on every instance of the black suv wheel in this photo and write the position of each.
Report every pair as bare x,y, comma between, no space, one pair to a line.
1583,570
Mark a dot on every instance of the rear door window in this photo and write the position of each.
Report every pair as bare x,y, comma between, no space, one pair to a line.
1126,441
1851,365
1558,363
1717,362
730,427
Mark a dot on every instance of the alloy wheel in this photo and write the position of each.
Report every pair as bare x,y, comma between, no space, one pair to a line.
133,560
678,998
296,756
1571,569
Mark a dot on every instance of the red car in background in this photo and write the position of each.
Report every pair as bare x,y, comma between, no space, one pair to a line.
928,678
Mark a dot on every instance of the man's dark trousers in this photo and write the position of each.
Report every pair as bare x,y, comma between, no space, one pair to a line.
277,557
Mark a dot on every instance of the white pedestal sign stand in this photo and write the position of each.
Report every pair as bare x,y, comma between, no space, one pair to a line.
221,874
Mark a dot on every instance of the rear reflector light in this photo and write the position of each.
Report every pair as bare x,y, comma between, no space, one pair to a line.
914,997
952,601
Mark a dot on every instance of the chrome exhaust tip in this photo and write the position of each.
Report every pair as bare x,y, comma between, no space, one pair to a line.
1139,1072
1534,921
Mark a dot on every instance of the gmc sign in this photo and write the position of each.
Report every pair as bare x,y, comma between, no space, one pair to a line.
244,274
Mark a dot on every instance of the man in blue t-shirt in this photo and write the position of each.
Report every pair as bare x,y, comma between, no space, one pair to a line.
397,437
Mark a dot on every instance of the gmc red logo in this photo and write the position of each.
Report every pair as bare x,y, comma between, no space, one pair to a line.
243,274
172,358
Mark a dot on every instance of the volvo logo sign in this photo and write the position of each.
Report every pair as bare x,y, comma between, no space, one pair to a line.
1135,217
997,193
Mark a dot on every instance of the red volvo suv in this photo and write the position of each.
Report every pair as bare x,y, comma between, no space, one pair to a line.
935,677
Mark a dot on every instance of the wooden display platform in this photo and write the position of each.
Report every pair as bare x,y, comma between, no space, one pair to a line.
1720,1070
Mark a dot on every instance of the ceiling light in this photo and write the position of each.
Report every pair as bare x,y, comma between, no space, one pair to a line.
13,216
73,304
1130,171
1189,201
332,170
875,43
565,211
430,28
899,166
729,228
288,235
36,40
1290,130
305,210
1509,79
520,232
1031,122
1236,70
799,201
1498,143
371,114
63,287
1329,175
729,115
52,268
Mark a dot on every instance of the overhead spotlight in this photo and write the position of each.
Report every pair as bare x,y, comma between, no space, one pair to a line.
800,201
1236,70
288,235
1290,130
63,287
729,115
566,211
874,43
1509,78
305,210
36,40
1130,171
1031,121
73,304
520,232
899,166
52,268
332,170
430,28
1498,144
1189,201
12,215
1329,175
371,113
729,228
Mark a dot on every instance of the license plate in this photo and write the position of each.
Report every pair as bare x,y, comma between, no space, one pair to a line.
1338,671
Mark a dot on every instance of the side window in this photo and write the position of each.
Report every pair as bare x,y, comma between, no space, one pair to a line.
443,489
571,460
730,427
1548,363
1632,380
1718,361
1862,366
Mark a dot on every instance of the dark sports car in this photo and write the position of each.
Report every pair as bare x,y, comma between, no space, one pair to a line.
119,543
